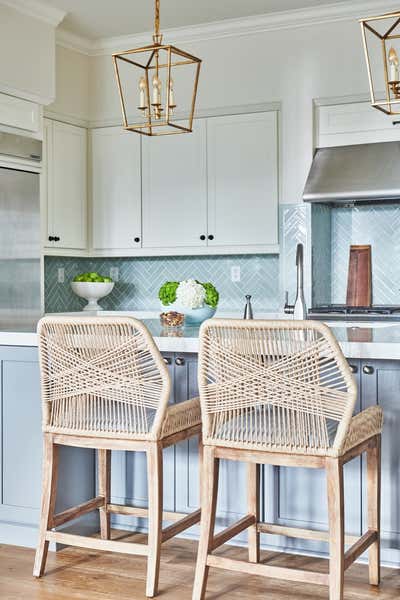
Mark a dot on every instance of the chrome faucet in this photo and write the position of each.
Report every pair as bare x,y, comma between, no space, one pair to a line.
299,309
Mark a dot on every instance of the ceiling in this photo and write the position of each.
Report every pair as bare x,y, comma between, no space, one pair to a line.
95,19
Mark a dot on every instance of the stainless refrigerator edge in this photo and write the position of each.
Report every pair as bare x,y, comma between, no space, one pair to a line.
20,238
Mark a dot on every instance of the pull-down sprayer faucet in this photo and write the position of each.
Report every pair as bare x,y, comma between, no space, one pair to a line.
299,309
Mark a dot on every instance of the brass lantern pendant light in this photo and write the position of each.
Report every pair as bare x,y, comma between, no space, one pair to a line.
154,83
381,39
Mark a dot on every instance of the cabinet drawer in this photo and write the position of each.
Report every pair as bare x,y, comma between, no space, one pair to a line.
22,114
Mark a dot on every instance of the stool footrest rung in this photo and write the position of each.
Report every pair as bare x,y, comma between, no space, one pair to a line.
226,534
137,511
77,511
362,544
303,534
187,521
97,543
243,566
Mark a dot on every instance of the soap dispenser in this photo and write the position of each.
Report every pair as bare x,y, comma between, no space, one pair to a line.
248,309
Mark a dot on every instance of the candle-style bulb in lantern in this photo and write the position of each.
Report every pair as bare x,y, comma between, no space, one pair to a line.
171,98
156,91
393,65
142,94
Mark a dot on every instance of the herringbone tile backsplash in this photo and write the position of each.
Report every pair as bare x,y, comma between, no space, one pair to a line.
141,278
379,226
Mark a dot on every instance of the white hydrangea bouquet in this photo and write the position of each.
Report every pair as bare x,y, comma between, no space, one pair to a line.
197,301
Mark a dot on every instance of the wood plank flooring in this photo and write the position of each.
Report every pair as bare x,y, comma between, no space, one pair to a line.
74,574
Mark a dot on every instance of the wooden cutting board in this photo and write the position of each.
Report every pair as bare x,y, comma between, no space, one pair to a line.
359,281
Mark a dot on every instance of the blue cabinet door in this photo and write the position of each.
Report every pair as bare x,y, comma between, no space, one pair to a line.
381,385
21,454
129,476
296,497
21,435
232,498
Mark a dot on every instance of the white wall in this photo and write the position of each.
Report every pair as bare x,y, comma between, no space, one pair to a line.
293,66
27,51
72,87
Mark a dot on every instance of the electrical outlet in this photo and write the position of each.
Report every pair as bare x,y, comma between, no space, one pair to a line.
61,275
114,273
235,274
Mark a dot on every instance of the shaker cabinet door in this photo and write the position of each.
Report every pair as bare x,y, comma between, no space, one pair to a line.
66,186
242,155
116,190
175,190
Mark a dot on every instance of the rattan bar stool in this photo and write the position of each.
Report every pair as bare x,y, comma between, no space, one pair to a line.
105,386
282,393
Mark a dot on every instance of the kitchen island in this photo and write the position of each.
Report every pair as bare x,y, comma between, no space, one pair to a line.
293,497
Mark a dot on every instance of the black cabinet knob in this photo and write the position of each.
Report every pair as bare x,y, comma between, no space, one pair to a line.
167,360
56,238
137,240
353,368
180,361
210,237
202,237
368,370
51,238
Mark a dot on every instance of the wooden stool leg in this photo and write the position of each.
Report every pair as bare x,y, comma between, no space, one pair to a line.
253,505
374,508
334,472
201,453
49,493
155,484
104,478
209,495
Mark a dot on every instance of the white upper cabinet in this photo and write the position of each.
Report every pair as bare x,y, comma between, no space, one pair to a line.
65,170
354,123
20,114
116,191
174,175
243,182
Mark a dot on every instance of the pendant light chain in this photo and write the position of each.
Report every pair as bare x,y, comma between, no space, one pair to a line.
157,37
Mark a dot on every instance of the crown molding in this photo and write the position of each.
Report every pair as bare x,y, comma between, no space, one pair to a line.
38,10
290,19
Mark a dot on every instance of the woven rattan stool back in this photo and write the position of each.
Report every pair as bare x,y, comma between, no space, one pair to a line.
101,376
281,386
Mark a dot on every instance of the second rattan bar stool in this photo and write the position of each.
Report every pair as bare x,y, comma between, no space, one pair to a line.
105,386
282,393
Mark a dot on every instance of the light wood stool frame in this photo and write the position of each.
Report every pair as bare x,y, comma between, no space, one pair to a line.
105,386
156,534
282,393
339,559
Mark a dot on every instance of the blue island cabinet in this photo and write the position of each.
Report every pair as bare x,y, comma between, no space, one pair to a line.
380,384
21,453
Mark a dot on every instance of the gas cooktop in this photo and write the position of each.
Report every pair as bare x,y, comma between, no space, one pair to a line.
344,310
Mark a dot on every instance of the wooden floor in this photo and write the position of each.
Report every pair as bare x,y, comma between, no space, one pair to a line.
89,575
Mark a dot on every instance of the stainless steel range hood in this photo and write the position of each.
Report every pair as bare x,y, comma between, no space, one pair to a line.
362,173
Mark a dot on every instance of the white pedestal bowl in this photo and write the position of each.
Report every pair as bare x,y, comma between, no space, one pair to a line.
92,292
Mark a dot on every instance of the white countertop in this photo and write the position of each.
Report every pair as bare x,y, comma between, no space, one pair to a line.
369,340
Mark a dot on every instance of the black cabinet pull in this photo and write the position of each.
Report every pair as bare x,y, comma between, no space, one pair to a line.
137,240
211,237
179,361
52,238
202,237
56,238
368,370
354,368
